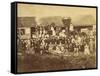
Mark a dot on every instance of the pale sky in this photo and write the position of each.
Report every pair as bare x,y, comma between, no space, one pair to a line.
30,10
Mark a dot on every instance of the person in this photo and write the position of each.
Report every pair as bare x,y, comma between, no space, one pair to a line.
40,33
42,46
62,34
86,50
53,31
76,48
50,47
91,45
60,48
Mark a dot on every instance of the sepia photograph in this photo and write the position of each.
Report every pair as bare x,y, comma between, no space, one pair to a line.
53,37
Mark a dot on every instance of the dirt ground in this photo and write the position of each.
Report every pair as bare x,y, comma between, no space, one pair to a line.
37,62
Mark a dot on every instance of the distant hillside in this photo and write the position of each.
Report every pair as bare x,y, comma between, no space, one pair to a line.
52,19
85,20
26,21
57,20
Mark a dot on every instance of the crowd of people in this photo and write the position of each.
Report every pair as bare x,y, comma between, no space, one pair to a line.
54,41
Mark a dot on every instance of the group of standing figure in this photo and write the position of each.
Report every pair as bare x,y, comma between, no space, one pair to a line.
44,42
